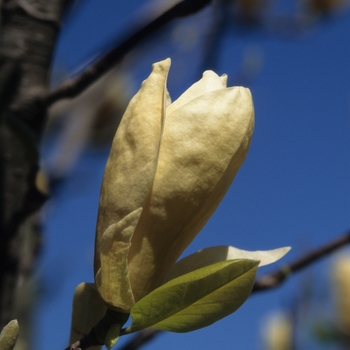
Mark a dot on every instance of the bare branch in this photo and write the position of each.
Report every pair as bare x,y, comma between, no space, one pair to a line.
278,277
76,85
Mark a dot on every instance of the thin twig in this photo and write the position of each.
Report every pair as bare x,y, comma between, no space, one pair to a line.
264,283
218,25
78,84
276,278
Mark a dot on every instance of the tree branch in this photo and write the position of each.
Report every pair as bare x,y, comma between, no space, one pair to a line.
276,278
76,85
27,38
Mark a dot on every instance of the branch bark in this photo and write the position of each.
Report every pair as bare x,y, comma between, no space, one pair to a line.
276,278
28,33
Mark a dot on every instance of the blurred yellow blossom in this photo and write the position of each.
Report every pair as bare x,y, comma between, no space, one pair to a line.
341,282
277,332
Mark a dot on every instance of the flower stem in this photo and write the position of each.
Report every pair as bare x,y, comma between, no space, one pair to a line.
97,335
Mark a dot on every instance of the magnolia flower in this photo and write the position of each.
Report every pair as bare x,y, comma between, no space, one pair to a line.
169,167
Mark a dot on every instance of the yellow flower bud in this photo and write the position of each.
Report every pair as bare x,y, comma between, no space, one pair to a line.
169,167
9,335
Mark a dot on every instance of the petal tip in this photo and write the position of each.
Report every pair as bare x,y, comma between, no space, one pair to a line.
161,65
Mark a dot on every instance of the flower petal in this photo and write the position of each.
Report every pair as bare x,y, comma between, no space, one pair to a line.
9,335
212,255
209,82
112,279
88,309
132,162
203,145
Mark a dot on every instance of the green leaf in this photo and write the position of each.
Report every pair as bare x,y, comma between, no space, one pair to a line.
196,299
112,335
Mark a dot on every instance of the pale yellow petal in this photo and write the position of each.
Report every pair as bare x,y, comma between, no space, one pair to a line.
9,335
112,279
223,79
203,145
212,255
88,309
265,257
167,99
209,82
132,162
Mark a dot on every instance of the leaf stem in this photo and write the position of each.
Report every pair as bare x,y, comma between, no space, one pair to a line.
98,334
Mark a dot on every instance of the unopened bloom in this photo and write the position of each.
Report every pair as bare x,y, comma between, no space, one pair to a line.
169,167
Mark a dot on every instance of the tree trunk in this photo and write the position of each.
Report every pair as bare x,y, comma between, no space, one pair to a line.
28,33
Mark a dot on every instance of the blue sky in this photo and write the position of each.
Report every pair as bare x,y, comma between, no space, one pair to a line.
292,190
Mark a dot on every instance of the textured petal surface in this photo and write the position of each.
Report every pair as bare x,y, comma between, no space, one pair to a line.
209,82
9,335
132,162
112,279
204,143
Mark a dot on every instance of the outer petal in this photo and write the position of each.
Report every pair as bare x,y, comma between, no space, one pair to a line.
203,145
88,309
132,163
209,82
9,335
112,279
212,255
